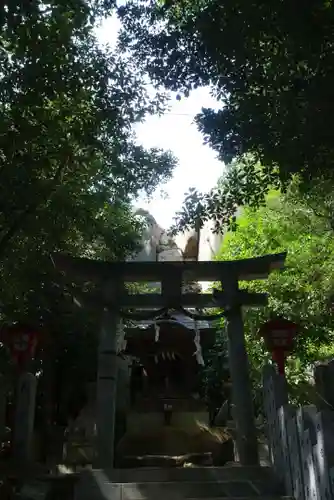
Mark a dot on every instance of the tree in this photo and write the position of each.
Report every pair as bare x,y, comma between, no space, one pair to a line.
69,166
269,64
303,292
68,153
244,183
67,110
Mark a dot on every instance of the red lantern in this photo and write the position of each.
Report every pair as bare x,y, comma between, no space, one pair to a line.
279,335
21,341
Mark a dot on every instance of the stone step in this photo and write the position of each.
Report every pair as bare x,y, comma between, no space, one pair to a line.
96,485
184,474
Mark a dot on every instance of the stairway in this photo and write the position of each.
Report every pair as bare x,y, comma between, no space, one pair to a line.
194,483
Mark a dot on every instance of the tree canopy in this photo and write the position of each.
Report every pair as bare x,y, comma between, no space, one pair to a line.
69,168
69,161
268,63
304,292
244,183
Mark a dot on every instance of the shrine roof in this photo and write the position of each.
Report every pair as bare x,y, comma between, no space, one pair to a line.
176,319
168,335
98,270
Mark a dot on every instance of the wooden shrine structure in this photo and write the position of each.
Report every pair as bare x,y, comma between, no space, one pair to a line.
115,303
163,394
167,363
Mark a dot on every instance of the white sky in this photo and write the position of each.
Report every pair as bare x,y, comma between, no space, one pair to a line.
198,166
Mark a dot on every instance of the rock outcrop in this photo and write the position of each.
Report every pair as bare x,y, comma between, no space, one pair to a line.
157,245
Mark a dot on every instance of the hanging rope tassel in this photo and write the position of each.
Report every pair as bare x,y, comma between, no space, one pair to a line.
121,341
197,342
157,331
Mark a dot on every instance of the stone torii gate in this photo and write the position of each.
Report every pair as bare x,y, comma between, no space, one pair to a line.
109,279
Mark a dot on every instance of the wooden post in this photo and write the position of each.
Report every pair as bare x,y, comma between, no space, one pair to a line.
3,406
242,399
24,417
107,385
324,377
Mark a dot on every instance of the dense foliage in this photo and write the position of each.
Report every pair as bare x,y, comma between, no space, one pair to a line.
304,292
69,169
269,64
69,163
244,183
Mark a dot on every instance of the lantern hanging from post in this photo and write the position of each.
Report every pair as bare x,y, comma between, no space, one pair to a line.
21,340
279,335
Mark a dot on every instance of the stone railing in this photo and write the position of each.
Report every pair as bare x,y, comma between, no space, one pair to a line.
300,441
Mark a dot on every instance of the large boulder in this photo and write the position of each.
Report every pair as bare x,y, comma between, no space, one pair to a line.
177,442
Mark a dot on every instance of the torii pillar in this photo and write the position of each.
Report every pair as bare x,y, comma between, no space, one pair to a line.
242,398
106,384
